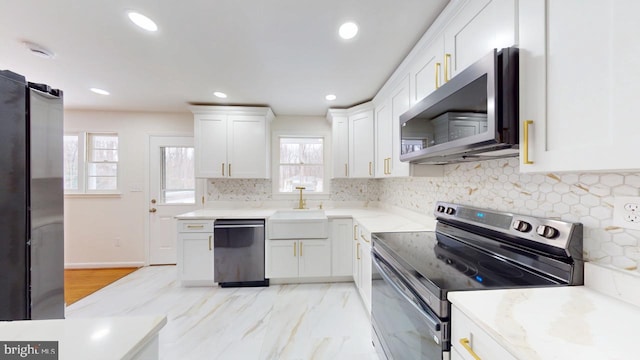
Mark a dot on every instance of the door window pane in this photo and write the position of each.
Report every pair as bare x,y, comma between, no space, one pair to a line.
178,180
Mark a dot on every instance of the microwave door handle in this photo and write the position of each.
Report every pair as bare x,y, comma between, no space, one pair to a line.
410,298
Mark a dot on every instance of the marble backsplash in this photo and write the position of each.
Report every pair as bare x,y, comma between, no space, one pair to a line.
493,184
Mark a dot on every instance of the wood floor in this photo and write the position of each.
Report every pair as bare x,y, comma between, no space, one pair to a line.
79,283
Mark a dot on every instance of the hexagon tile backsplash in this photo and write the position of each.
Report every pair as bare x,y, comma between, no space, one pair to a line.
494,184
497,184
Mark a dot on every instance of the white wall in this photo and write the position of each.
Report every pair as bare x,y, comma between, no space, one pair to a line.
92,224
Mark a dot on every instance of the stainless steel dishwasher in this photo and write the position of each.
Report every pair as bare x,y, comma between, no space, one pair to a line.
238,252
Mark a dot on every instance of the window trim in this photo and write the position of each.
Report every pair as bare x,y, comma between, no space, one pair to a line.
83,171
275,162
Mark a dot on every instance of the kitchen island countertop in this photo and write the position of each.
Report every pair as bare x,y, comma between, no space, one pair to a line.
91,338
568,322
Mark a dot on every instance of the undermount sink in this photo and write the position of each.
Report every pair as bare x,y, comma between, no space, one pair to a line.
298,224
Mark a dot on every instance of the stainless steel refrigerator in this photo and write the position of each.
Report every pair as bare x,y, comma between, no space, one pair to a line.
31,200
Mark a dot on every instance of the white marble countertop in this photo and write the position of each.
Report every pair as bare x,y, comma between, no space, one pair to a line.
569,322
373,219
89,338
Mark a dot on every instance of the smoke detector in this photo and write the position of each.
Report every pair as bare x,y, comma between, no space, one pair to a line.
39,50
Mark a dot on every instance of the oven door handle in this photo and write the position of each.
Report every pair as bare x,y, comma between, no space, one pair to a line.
385,274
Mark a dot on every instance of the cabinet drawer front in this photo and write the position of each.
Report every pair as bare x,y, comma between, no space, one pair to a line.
480,342
195,226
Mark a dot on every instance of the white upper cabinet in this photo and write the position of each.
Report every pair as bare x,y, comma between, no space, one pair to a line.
474,29
387,127
353,141
340,139
384,140
579,78
426,72
232,141
482,25
361,143
400,102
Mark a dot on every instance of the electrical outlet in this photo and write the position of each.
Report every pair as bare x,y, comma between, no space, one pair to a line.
633,218
626,212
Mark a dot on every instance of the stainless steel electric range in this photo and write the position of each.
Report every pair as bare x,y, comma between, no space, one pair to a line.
470,249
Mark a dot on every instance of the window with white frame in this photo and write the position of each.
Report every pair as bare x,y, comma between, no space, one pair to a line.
91,162
301,164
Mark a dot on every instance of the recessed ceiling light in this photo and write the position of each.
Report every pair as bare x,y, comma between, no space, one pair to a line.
142,21
99,91
219,94
39,50
330,97
348,30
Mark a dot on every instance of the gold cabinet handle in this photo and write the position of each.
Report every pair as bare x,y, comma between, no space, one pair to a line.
466,344
358,251
387,166
437,75
346,169
447,67
364,238
195,226
294,249
210,238
355,232
300,248
229,169
525,149
222,169
370,166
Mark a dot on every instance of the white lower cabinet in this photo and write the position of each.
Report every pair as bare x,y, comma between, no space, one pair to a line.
298,258
470,342
341,247
195,253
362,263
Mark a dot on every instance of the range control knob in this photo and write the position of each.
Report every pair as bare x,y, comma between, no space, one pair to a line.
522,226
547,231
450,211
440,209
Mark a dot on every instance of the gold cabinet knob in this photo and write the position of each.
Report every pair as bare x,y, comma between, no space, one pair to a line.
152,210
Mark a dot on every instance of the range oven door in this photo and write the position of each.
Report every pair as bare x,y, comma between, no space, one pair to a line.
403,325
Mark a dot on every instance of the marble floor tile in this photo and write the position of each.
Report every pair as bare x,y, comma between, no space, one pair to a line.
304,321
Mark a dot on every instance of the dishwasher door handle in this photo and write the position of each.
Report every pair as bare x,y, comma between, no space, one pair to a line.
237,226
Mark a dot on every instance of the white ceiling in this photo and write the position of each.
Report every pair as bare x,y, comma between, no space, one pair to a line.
282,53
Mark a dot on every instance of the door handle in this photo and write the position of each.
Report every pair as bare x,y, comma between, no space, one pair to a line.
525,140
466,343
210,238
447,67
152,210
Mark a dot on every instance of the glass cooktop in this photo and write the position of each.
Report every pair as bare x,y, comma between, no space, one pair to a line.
446,264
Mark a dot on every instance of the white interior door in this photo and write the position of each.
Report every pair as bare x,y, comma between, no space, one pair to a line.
173,190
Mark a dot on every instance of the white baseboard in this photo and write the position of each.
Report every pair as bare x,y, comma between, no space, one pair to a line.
103,265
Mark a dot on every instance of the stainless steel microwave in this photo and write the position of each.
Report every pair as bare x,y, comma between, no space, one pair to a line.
472,117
